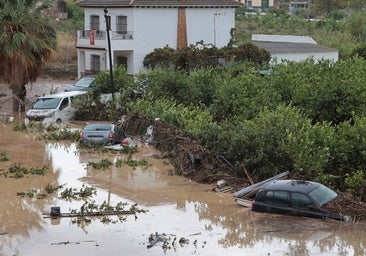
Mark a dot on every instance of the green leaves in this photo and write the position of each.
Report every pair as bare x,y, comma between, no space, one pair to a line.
307,117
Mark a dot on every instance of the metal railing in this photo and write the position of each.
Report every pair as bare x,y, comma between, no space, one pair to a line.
102,35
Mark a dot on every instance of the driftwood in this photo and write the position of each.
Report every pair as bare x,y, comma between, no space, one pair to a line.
255,187
89,214
248,175
244,202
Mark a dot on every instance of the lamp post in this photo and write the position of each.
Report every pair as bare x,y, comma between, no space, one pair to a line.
108,28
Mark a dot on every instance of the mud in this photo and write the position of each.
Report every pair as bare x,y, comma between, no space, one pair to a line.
176,205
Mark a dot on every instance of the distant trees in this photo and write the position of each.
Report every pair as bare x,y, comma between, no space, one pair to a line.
327,6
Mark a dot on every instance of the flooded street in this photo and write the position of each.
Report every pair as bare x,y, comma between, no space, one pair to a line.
176,206
211,223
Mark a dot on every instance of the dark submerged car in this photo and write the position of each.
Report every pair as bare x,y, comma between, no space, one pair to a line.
295,197
102,133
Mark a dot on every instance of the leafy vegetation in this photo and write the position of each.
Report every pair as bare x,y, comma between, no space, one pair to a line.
198,56
83,192
17,171
307,117
4,156
102,164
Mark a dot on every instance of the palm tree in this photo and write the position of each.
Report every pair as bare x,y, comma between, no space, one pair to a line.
27,40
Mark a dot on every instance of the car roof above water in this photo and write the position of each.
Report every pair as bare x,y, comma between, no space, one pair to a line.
292,185
63,94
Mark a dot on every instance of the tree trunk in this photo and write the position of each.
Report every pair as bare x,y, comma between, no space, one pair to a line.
18,96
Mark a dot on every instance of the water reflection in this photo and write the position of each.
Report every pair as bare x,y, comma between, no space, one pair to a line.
176,206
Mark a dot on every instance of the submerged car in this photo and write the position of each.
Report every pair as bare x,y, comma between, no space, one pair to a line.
102,133
55,108
295,197
85,83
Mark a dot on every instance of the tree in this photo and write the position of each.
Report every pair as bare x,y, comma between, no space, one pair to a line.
27,40
326,6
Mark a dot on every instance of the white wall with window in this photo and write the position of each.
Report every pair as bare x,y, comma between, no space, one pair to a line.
135,32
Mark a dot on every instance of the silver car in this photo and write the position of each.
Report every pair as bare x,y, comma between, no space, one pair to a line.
102,133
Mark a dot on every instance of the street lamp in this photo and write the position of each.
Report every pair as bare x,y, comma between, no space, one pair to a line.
108,28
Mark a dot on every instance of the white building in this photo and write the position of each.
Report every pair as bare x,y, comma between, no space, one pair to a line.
137,27
293,48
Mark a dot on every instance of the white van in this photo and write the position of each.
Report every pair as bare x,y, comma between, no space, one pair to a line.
54,108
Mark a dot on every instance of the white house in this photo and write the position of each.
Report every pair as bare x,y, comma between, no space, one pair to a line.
137,27
293,48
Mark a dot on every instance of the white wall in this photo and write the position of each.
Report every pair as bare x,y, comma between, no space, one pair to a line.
203,23
157,27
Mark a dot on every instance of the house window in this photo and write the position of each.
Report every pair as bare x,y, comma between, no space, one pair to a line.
95,63
94,22
121,24
265,4
121,61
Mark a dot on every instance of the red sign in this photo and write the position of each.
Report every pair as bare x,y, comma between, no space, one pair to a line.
92,37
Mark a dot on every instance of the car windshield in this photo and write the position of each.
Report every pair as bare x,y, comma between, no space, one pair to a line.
85,82
46,103
98,127
322,195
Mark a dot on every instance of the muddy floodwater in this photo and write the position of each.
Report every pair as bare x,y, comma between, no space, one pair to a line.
212,223
176,209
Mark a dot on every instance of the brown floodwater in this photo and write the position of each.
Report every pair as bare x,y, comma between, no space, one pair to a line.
179,208
176,206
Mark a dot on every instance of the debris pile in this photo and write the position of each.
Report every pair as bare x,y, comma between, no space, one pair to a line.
348,205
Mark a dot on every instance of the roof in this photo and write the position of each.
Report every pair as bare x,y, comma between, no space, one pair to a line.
288,47
276,44
161,3
292,185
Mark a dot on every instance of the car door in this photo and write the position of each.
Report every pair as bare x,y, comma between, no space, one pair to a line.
65,111
277,201
303,206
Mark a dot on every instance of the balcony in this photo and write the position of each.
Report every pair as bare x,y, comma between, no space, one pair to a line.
85,38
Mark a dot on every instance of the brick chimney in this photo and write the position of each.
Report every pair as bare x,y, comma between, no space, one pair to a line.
182,28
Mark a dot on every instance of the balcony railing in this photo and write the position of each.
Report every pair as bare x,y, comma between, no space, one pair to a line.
101,35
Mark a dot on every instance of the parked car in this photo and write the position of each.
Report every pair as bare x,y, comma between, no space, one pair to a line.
54,108
295,197
85,83
102,133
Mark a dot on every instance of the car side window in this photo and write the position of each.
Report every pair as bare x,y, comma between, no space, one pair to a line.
277,197
299,200
64,103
